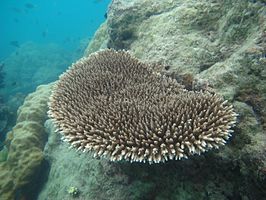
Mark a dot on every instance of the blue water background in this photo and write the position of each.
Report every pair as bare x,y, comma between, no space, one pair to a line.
55,21
39,39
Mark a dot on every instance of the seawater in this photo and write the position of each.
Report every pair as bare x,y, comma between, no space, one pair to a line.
39,40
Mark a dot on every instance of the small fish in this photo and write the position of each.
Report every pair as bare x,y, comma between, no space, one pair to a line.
105,15
97,1
29,5
16,20
66,40
2,66
14,43
79,50
17,10
14,83
44,33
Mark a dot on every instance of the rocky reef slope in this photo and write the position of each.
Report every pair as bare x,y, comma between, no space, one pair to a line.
223,42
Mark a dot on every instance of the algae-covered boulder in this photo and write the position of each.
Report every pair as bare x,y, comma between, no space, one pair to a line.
25,147
223,42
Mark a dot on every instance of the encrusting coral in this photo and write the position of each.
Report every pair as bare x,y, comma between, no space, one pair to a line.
115,106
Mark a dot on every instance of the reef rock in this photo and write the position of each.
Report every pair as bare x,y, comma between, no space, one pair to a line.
99,40
221,43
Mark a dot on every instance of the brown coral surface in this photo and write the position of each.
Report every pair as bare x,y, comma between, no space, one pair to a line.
115,106
25,144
